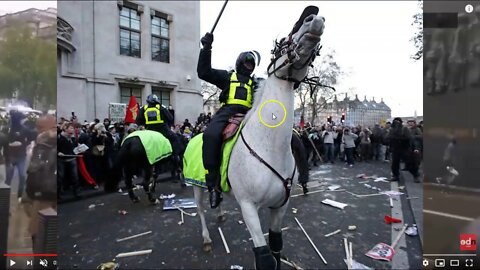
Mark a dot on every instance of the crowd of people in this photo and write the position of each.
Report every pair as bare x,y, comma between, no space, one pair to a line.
324,144
28,149
390,142
92,167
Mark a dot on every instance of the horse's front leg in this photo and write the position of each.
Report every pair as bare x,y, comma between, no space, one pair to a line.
207,242
275,233
263,256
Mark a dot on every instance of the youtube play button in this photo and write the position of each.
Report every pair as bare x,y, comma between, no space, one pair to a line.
12,262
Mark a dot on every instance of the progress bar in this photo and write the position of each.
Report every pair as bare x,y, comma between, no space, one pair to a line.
29,255
449,255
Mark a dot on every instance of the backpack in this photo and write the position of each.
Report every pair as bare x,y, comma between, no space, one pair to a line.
42,173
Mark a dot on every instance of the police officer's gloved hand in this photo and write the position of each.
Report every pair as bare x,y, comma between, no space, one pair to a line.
207,41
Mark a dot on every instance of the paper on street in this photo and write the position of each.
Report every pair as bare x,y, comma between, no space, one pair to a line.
391,193
333,187
381,251
334,203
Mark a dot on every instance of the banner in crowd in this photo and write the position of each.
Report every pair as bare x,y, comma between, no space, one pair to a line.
117,111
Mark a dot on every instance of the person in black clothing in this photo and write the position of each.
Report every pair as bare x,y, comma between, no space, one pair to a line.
155,116
208,118
186,124
237,97
336,143
402,148
67,165
200,119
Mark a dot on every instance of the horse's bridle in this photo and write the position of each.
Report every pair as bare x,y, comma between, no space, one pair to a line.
287,47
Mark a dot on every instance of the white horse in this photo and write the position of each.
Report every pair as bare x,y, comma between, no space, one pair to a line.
264,179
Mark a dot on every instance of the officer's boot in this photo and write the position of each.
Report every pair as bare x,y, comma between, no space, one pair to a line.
264,259
213,183
276,244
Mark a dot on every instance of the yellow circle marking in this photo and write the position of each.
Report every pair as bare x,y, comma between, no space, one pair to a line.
284,113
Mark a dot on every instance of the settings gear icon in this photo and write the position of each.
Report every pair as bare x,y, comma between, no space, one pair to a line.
425,262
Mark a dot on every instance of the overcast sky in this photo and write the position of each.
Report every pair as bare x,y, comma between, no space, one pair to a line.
371,39
14,6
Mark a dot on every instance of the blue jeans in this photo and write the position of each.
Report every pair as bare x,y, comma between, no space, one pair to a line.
328,152
20,164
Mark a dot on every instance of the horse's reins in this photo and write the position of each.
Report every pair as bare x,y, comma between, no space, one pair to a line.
287,183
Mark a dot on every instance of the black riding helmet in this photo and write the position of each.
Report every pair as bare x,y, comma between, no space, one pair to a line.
246,62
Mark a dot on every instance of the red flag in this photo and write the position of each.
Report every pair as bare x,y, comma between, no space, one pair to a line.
302,122
132,111
83,170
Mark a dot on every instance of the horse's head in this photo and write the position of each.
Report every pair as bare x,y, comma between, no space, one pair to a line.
293,55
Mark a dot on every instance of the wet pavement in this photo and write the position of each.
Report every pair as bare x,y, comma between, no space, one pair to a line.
88,234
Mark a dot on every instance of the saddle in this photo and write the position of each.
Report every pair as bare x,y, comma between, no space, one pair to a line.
232,126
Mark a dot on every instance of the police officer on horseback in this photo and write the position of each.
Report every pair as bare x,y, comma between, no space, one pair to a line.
237,97
156,117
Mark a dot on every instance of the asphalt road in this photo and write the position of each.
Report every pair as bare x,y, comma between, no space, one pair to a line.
88,236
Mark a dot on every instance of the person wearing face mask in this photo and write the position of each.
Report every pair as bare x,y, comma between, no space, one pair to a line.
237,97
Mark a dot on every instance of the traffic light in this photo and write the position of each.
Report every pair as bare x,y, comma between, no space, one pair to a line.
343,118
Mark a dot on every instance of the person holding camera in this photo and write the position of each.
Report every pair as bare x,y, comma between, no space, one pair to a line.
348,140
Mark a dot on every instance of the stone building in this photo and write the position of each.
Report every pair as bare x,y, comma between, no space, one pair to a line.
42,22
355,112
110,50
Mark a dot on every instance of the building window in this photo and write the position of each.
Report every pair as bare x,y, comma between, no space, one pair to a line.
160,38
127,91
162,94
130,32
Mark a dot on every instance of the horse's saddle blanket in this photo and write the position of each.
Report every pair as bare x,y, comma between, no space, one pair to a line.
193,169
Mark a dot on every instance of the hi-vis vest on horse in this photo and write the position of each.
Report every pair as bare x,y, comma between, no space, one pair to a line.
240,93
152,115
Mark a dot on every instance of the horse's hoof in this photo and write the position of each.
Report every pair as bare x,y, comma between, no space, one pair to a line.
207,247
221,218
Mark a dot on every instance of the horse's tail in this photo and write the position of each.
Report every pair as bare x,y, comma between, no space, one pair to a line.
300,156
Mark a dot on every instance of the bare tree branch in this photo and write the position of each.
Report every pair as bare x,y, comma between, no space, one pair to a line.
209,92
417,38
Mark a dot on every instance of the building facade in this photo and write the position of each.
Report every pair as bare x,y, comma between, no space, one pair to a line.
110,50
42,22
365,113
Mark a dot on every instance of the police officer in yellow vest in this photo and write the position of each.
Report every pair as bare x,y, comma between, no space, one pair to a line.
156,117
236,96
